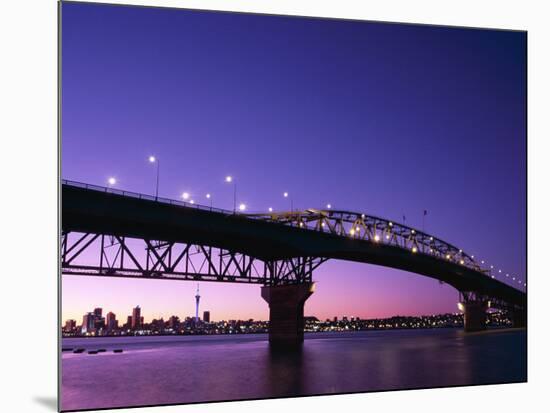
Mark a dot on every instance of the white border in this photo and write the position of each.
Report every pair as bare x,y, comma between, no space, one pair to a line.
28,32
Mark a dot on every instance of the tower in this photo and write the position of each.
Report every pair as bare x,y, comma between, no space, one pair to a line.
197,299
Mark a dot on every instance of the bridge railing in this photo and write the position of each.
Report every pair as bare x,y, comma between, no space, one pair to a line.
144,196
380,229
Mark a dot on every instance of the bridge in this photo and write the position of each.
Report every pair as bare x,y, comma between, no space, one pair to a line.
113,233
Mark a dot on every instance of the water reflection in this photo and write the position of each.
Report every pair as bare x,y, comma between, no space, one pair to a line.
172,370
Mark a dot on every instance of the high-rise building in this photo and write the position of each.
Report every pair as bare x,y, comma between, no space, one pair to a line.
111,321
197,299
70,326
97,312
88,323
206,316
136,317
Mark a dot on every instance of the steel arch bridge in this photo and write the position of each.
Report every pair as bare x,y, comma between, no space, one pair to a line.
108,232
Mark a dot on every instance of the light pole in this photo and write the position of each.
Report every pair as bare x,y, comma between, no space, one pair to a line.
286,195
209,197
229,179
153,159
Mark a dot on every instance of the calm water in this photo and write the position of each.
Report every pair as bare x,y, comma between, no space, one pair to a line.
164,370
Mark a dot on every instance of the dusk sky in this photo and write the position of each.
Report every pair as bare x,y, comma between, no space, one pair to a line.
385,119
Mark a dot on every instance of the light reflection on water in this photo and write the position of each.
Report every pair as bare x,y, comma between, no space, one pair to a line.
167,370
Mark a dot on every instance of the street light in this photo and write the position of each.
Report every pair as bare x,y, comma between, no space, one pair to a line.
208,196
286,195
153,159
185,196
242,207
329,206
270,209
111,181
229,179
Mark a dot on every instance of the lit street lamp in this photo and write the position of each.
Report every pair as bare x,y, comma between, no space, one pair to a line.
111,181
153,159
208,196
286,195
229,179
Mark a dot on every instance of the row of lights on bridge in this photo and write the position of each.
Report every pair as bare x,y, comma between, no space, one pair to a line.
186,196
414,250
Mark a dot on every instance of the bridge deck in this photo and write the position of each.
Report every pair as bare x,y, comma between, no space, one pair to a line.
92,211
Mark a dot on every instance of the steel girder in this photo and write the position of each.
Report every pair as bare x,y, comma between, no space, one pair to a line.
115,256
374,229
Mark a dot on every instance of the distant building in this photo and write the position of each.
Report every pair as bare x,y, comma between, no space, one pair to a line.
97,312
128,324
136,318
70,326
206,316
335,319
111,321
174,322
88,323
99,323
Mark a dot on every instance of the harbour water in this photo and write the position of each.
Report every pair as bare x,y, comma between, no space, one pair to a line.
188,369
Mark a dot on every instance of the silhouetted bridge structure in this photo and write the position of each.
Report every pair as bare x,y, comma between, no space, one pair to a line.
113,233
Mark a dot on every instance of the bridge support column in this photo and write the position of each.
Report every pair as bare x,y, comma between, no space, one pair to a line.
286,313
474,315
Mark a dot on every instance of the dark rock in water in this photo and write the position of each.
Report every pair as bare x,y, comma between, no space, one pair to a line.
66,349
101,350
118,350
79,350
92,352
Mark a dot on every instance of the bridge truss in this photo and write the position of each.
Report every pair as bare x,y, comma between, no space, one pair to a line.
116,256
374,229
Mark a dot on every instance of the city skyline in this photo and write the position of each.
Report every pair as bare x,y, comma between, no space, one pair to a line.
358,134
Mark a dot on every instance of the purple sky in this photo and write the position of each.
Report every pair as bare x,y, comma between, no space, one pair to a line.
384,119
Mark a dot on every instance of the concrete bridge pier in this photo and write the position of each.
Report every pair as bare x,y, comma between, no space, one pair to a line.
286,313
475,315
